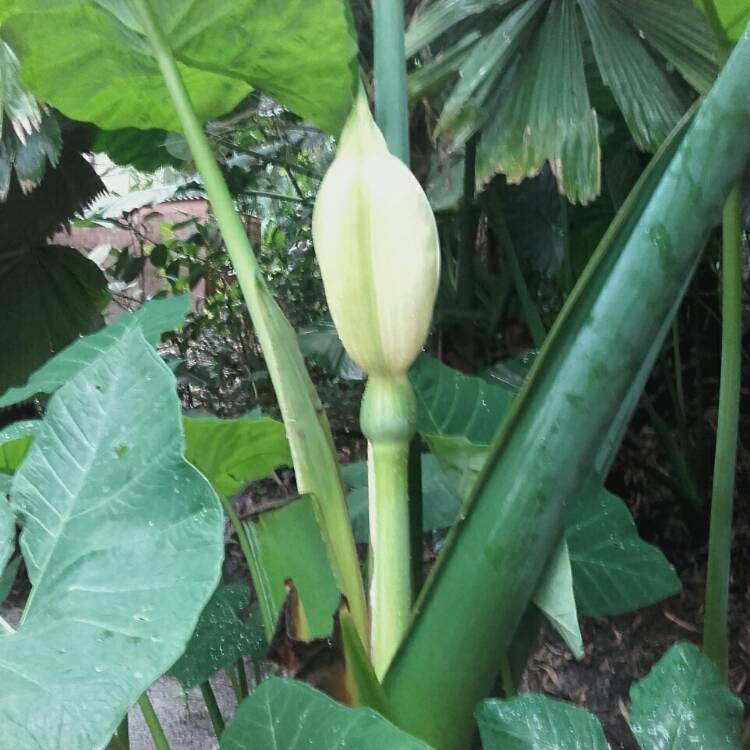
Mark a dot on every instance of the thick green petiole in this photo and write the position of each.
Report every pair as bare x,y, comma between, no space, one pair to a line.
388,422
391,105
212,706
715,633
306,425
152,722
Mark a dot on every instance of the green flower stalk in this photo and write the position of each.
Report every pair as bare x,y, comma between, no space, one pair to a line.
377,245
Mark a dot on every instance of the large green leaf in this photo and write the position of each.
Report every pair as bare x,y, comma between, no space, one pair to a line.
536,722
287,544
50,296
614,570
89,58
683,704
220,638
153,318
458,415
123,544
549,442
291,715
452,404
232,452
733,15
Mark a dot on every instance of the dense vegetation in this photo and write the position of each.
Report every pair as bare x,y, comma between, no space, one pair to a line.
469,271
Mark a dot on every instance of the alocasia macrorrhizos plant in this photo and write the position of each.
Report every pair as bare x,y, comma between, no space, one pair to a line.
76,537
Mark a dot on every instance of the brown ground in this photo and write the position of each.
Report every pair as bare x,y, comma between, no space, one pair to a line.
622,649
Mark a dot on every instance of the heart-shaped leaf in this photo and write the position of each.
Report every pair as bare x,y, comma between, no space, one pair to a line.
614,570
536,722
292,715
220,638
89,58
123,542
683,703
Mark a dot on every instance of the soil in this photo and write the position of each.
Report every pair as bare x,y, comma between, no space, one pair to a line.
622,649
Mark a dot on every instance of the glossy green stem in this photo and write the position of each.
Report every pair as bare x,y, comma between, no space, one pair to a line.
471,605
152,722
391,106
715,629
214,712
388,422
309,436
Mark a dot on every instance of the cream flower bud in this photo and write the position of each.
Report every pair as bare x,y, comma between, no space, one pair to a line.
377,245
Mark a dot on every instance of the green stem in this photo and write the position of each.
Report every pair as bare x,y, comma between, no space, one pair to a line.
307,428
715,633
467,251
214,712
387,419
391,108
153,723
242,675
254,565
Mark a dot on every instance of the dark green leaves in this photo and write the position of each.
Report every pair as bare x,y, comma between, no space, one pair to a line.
221,637
639,85
90,60
536,119
29,136
614,570
154,318
293,716
272,534
535,722
50,296
521,80
683,703
123,543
